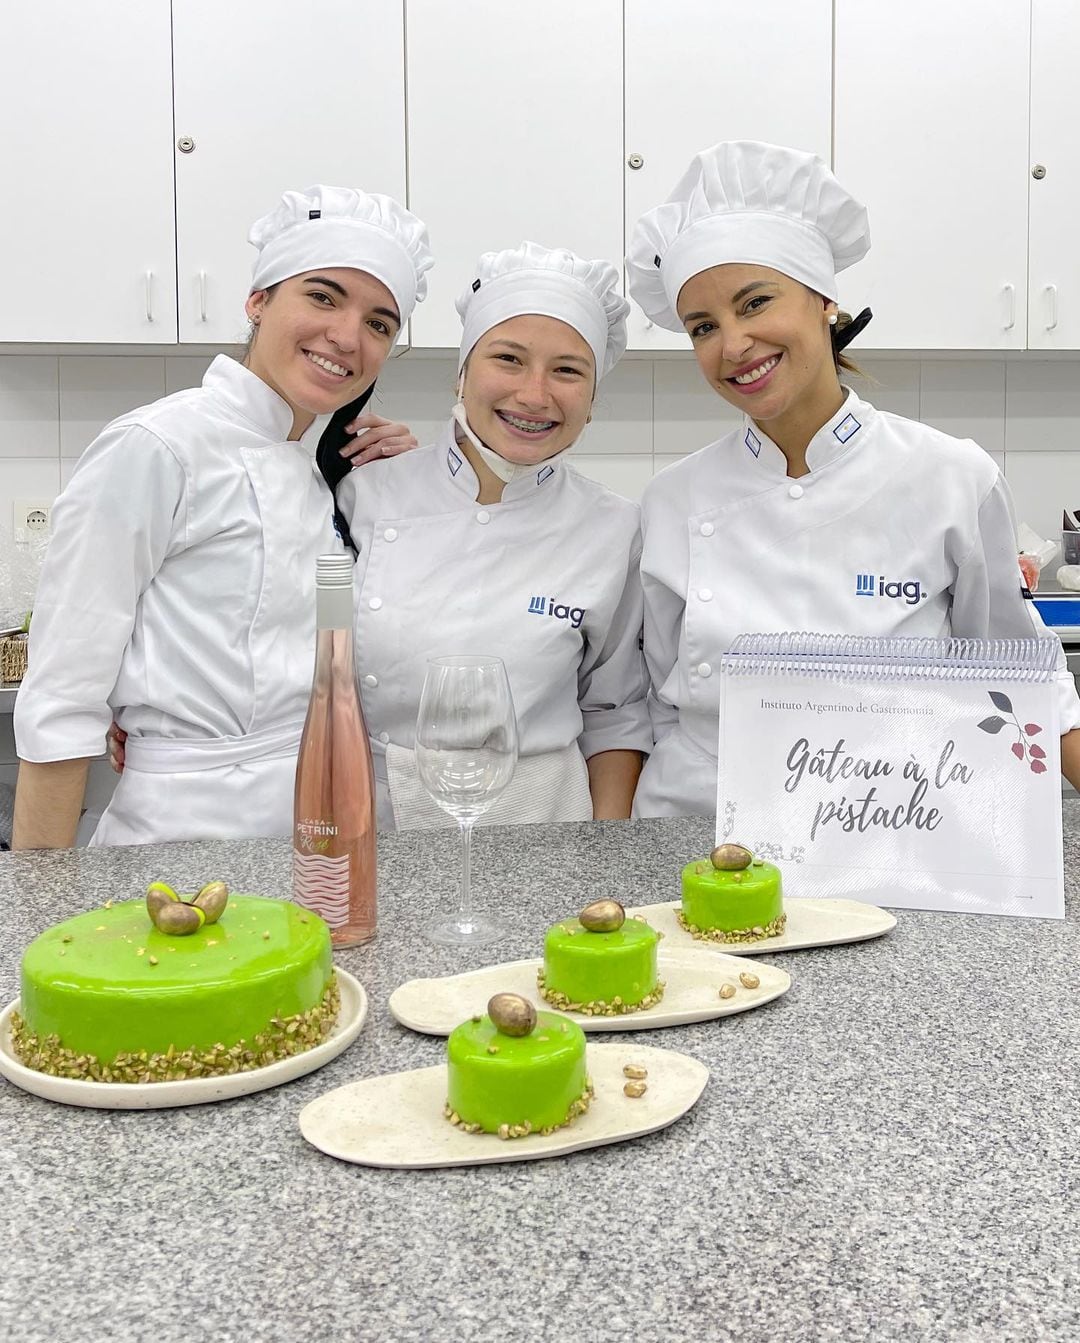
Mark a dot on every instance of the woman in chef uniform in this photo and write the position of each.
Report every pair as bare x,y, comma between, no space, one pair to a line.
767,529
486,541
178,591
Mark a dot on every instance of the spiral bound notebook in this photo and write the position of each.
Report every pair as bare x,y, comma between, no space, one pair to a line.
917,773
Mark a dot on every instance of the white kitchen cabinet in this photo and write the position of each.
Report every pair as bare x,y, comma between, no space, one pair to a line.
274,96
699,71
1054,177
515,132
931,133
86,233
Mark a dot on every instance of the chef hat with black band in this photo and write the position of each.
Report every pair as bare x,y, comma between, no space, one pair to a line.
749,202
325,227
547,282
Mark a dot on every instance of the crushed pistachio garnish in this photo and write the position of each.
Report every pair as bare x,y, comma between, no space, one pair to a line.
507,1131
598,1008
282,1038
755,934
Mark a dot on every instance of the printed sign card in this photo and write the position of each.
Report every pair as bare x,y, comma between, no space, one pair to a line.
916,773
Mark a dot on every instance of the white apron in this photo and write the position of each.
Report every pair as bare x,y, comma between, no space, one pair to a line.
549,787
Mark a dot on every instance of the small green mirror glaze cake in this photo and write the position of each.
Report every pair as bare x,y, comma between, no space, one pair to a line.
601,963
516,1084
732,897
109,996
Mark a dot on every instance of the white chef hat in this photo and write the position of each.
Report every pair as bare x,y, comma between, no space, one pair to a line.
337,226
548,282
745,201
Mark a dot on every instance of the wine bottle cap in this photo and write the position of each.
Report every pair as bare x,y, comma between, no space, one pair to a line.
333,571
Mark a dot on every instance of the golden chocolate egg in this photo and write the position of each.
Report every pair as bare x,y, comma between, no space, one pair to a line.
212,900
511,1014
730,857
602,916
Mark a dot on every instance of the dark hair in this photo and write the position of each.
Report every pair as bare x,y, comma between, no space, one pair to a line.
840,359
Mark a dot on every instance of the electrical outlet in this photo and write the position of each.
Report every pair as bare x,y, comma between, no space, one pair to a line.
32,515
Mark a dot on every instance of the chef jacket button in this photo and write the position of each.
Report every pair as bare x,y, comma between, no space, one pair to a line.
483,517
384,737
371,681
796,492
704,669
707,529
390,534
705,594
375,603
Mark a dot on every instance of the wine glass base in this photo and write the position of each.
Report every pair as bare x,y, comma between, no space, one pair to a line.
473,931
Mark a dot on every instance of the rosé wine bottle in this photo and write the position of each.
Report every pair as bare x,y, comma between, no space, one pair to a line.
334,811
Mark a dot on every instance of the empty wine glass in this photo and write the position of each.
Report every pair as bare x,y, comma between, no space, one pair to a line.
466,750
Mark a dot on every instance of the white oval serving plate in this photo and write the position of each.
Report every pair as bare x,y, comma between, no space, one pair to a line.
397,1120
692,993
196,1090
810,923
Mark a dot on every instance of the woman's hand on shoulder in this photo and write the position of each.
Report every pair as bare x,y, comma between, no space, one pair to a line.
114,743
376,437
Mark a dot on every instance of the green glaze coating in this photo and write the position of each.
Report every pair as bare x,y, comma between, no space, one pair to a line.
534,1079
109,982
731,901
588,967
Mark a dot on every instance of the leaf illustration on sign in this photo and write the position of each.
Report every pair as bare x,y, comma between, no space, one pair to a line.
1021,748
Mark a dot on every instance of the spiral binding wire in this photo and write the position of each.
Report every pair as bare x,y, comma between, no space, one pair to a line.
852,657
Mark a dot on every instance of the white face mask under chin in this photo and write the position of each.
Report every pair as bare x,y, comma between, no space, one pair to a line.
506,471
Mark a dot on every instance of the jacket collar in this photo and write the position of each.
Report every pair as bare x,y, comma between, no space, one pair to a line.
837,436
464,478
246,392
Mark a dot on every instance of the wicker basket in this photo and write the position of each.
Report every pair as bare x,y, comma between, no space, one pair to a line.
13,657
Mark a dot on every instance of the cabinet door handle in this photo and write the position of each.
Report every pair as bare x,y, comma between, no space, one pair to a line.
1051,306
202,296
149,295
1010,309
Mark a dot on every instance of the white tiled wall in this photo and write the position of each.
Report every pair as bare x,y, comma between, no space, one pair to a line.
1025,412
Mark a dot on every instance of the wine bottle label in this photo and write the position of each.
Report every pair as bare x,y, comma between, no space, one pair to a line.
320,882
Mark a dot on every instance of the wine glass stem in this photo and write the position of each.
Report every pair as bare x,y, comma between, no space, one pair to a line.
465,908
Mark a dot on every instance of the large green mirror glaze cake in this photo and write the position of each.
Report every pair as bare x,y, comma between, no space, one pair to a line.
731,896
109,996
601,963
516,1071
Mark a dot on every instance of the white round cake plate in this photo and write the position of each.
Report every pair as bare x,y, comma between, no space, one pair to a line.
810,923
692,993
397,1120
196,1090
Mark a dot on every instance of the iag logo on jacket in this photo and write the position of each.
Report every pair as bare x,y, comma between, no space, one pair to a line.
541,606
867,585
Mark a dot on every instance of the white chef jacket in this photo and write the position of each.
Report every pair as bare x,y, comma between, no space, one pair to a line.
178,596
732,545
547,579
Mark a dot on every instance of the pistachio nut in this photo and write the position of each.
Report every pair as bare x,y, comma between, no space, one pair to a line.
602,916
749,981
178,919
635,1089
511,1014
730,857
158,895
212,900
727,990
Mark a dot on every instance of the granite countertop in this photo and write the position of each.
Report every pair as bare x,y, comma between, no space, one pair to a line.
890,1151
